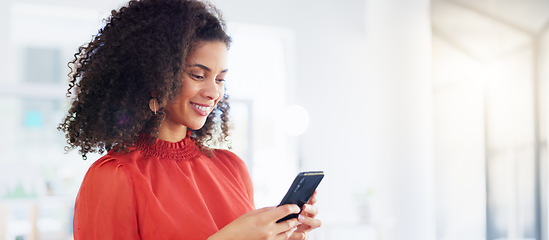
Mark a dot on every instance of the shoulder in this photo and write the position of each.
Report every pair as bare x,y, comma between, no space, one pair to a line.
228,156
105,164
230,159
106,198
113,167
223,153
113,160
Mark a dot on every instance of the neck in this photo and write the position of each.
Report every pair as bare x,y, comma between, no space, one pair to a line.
170,133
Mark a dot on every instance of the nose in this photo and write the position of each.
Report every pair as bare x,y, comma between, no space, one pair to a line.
212,89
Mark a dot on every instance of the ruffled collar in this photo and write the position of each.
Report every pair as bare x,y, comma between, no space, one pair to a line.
185,149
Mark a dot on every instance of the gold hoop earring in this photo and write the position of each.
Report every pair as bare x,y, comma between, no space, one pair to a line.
152,105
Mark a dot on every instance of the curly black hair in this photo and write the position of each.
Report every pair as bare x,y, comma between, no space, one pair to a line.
136,56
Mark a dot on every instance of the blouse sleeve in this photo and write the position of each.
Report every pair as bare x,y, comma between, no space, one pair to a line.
105,206
242,171
245,176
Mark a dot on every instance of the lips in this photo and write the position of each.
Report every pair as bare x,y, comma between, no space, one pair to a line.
201,109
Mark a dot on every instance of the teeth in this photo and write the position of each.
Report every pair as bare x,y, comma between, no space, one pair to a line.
202,108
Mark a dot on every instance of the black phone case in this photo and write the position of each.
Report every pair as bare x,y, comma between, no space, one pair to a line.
301,191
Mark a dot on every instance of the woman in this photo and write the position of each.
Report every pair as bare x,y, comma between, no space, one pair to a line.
149,90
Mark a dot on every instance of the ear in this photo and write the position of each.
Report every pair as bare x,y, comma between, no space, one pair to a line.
153,105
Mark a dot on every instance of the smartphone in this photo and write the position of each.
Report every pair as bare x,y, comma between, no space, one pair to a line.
301,191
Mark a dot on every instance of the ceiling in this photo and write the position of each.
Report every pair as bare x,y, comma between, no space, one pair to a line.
527,15
489,28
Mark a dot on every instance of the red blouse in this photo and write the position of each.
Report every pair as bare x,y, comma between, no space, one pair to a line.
162,190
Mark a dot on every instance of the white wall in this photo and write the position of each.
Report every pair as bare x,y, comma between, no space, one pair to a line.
400,102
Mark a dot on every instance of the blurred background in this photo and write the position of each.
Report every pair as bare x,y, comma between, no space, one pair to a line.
428,117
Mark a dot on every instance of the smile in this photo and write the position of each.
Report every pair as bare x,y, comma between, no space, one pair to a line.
200,107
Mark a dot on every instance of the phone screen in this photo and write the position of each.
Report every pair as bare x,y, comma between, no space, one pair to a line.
301,190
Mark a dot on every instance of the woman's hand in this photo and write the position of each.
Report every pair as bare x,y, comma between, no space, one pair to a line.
261,224
307,220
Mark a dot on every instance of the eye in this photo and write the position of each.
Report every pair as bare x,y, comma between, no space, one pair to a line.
196,76
220,78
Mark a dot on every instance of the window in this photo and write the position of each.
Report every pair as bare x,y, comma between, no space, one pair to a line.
490,137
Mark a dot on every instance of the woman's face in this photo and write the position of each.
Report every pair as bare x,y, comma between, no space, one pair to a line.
203,87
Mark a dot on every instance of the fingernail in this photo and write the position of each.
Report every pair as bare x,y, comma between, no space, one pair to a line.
300,218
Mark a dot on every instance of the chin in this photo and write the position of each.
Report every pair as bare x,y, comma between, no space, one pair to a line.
196,126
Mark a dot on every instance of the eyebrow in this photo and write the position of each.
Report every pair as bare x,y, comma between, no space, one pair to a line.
206,68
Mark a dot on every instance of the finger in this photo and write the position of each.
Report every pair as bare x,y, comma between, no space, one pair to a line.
309,221
309,210
313,199
286,235
303,228
285,210
286,226
298,236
